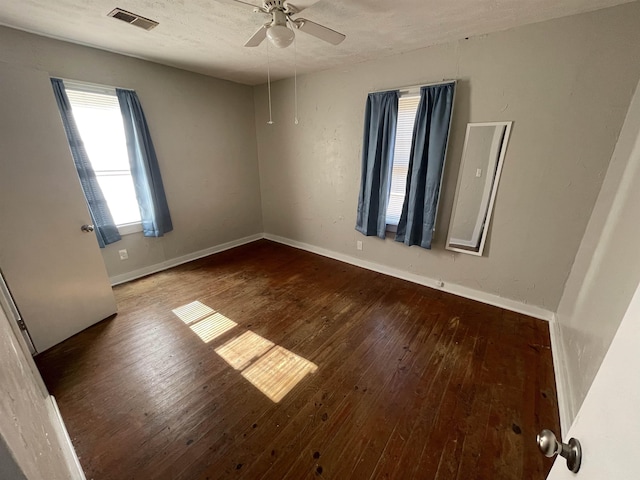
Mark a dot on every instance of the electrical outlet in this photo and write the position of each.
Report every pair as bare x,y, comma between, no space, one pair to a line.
478,172
359,244
123,254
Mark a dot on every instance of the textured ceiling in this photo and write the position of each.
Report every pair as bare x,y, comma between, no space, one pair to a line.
206,36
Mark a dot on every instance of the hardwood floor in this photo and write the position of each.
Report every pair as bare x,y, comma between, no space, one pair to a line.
410,382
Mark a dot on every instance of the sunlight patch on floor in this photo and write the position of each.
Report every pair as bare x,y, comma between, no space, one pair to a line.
241,351
274,371
212,327
193,311
277,372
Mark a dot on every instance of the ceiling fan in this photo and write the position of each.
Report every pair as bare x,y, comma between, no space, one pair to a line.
280,30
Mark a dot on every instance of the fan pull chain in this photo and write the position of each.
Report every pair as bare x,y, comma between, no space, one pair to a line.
270,122
295,79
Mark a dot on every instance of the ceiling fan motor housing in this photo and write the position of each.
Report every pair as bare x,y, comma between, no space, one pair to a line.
281,29
279,33
271,5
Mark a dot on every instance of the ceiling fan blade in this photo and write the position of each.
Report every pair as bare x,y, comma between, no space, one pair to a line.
257,37
298,5
256,8
319,31
236,2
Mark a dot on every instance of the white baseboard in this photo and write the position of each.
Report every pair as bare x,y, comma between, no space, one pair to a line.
174,262
460,290
495,300
562,380
73,464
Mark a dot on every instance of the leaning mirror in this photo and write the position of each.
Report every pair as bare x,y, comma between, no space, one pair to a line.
482,157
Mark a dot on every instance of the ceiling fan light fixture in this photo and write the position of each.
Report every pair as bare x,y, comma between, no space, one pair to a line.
280,36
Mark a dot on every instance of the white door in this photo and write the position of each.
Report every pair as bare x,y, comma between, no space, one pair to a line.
608,424
55,271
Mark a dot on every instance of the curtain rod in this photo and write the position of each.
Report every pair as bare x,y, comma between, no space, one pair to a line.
412,87
91,84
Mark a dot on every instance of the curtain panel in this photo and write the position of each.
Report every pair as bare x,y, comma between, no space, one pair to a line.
381,118
104,226
154,210
426,162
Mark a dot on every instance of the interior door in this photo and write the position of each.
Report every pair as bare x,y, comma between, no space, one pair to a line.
54,270
608,423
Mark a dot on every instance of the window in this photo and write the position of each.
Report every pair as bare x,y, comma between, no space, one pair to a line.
391,116
407,107
96,111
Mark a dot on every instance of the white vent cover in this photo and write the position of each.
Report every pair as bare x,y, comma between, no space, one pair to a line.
132,18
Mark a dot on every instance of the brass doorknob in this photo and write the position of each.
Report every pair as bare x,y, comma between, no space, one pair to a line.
550,446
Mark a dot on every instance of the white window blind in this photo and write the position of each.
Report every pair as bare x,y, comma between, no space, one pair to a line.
407,107
97,114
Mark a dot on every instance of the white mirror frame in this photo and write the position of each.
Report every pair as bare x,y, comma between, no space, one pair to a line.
494,188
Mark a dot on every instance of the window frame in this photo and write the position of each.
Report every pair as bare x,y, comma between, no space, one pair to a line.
92,88
129,228
416,90
412,93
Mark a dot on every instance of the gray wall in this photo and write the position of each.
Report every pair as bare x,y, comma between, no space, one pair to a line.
29,443
606,271
203,131
565,83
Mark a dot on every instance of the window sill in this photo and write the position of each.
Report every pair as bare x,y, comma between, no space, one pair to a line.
129,228
392,228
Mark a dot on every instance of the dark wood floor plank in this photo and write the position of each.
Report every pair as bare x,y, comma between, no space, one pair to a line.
431,410
384,381
331,358
411,382
336,348
314,428
441,460
360,455
238,402
394,444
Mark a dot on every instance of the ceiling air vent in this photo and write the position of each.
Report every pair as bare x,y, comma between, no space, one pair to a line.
132,18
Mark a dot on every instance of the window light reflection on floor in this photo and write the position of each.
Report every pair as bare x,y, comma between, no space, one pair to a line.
212,327
193,311
240,351
277,372
274,371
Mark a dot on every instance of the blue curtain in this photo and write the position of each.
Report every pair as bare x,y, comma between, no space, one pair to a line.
105,228
426,161
381,118
156,220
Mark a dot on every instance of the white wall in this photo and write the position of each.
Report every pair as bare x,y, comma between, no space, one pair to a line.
29,443
203,131
606,271
565,83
